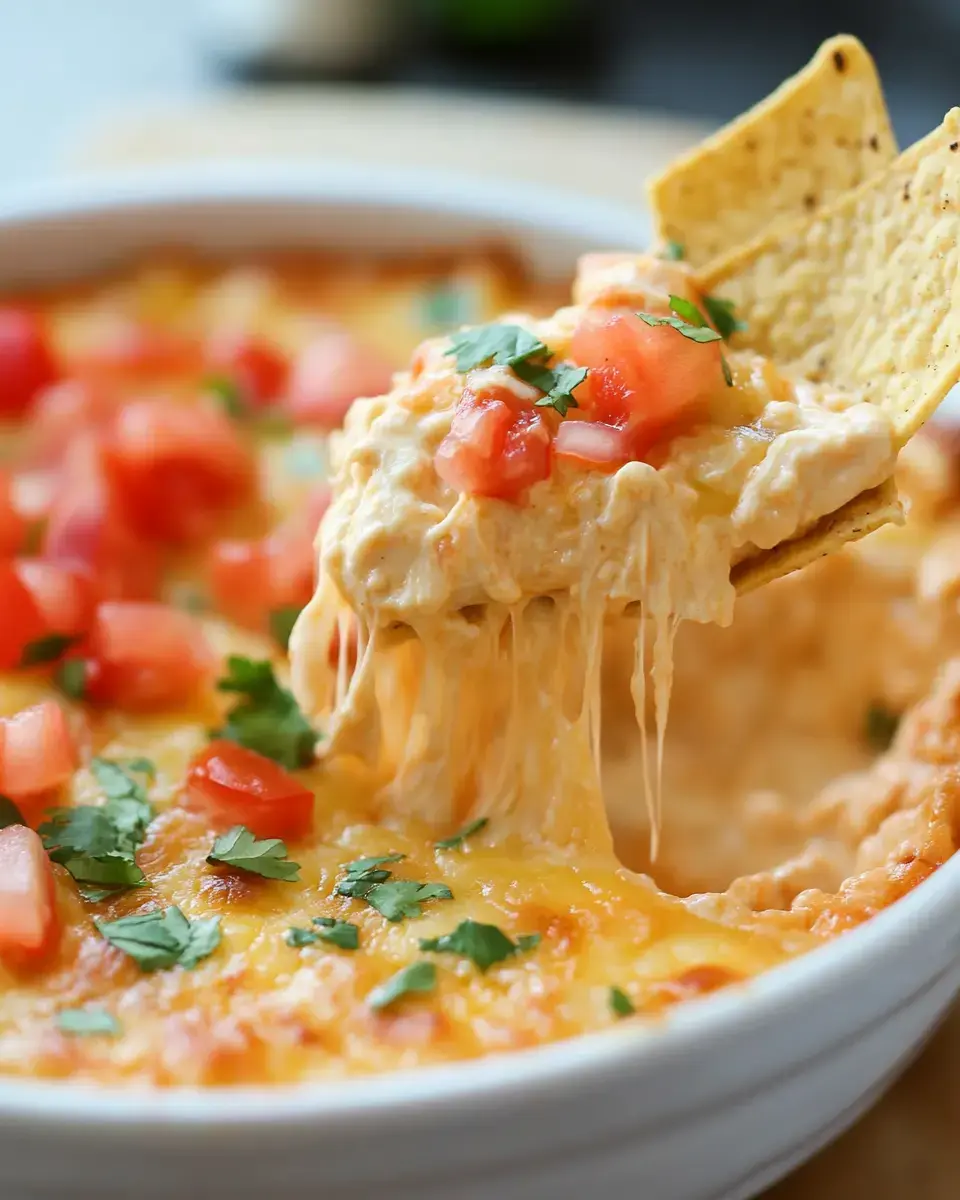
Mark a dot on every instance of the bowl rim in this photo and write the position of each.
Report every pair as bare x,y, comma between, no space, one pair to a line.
528,1075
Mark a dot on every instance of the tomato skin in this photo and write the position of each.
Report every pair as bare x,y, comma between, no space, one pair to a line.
37,750
175,470
648,379
29,923
27,362
237,786
23,621
14,526
146,656
65,411
66,596
329,374
252,364
86,530
251,579
497,446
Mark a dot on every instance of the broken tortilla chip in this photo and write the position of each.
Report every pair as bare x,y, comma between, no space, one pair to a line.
821,133
865,294
864,514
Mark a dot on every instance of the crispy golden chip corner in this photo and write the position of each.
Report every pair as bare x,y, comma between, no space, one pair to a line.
821,133
865,514
865,294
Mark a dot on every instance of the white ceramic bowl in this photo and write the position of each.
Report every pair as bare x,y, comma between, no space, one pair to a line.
715,1102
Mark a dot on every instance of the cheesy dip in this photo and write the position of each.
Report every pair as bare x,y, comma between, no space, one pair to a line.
452,820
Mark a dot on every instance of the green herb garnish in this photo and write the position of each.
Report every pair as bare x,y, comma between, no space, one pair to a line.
721,313
691,323
512,346
163,938
500,345
880,727
88,1022
268,719
47,649
342,934
227,392
238,848
98,843
71,677
418,977
456,840
620,1003
400,898
484,945
282,621
675,251
9,813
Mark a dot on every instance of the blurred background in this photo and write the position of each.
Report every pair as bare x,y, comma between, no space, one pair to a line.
121,82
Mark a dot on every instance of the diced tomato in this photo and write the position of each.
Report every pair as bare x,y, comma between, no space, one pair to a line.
27,361
175,469
129,351
64,412
648,379
593,445
14,526
252,364
146,656
497,445
65,596
22,620
37,750
86,530
250,579
29,926
329,374
237,786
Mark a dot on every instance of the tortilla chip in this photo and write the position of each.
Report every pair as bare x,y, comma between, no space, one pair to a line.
864,295
865,514
821,133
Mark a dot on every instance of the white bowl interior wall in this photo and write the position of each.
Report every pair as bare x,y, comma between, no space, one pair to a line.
712,1104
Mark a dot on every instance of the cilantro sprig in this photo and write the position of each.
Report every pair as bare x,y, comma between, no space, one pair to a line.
690,322
88,1022
722,314
342,934
396,899
98,843
483,945
240,849
620,1003
47,649
674,251
456,840
163,938
514,347
267,718
419,977
282,621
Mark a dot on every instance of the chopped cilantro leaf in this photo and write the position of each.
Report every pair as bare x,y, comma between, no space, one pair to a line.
418,977
162,938
238,848
727,373
675,251
343,934
880,726
97,843
47,649
268,718
696,333
483,945
503,345
360,866
558,383
722,313
282,621
620,1003
688,311
87,1022
400,898
229,395
95,895
71,677
9,813
456,840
